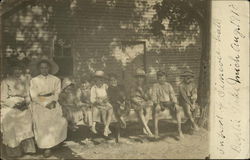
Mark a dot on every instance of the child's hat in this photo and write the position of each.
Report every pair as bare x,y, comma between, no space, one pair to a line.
140,72
188,73
99,74
66,82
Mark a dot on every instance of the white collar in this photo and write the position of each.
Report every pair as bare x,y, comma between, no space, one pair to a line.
45,77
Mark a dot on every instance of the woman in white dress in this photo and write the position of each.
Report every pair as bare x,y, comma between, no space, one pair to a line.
50,127
16,121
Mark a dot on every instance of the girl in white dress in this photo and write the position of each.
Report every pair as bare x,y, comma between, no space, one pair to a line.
100,103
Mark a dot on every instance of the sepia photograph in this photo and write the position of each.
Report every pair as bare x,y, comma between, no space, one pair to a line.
105,79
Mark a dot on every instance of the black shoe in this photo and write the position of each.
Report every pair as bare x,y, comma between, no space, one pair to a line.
162,108
47,153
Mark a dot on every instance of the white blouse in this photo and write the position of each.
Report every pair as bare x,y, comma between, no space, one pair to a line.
12,90
98,92
41,85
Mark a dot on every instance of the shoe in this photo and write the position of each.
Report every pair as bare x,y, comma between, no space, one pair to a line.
47,153
162,109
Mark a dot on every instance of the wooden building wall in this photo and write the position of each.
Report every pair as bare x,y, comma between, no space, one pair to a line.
98,36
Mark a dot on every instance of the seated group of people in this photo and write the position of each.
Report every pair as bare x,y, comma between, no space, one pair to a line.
37,112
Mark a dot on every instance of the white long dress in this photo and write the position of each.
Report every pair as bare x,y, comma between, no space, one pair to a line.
50,127
16,125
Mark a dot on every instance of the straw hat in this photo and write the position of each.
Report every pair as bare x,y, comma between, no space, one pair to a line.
99,74
140,72
34,66
66,82
187,73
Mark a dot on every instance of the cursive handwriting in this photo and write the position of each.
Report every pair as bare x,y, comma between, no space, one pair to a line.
228,80
234,80
219,88
235,20
236,70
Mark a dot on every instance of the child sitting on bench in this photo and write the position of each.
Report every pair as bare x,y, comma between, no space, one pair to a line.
118,99
70,104
163,97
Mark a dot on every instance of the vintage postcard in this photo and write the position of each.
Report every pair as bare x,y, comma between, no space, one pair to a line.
124,79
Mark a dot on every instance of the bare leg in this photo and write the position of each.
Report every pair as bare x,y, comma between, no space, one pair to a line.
142,118
104,116
93,128
155,114
189,114
89,118
123,122
147,117
109,118
95,117
178,118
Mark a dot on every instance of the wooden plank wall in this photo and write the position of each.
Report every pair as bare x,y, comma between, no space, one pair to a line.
31,30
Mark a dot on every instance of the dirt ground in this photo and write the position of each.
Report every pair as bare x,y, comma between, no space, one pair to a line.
132,144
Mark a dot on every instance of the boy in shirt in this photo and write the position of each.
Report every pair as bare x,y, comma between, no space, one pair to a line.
188,97
163,96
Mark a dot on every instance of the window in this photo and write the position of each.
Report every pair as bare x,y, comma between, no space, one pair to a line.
63,57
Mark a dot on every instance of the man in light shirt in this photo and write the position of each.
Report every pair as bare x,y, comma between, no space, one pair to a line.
163,96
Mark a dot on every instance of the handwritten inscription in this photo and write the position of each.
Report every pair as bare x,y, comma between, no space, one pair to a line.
219,88
234,79
228,83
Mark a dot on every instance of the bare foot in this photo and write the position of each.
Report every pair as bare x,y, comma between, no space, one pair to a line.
106,133
156,136
92,129
151,135
145,131
123,123
108,130
181,136
196,128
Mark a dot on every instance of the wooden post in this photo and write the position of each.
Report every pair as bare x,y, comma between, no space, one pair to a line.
144,57
1,45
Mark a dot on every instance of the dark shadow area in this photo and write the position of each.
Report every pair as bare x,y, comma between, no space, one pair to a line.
63,152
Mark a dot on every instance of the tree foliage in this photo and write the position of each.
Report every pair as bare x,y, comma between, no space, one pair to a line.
179,13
